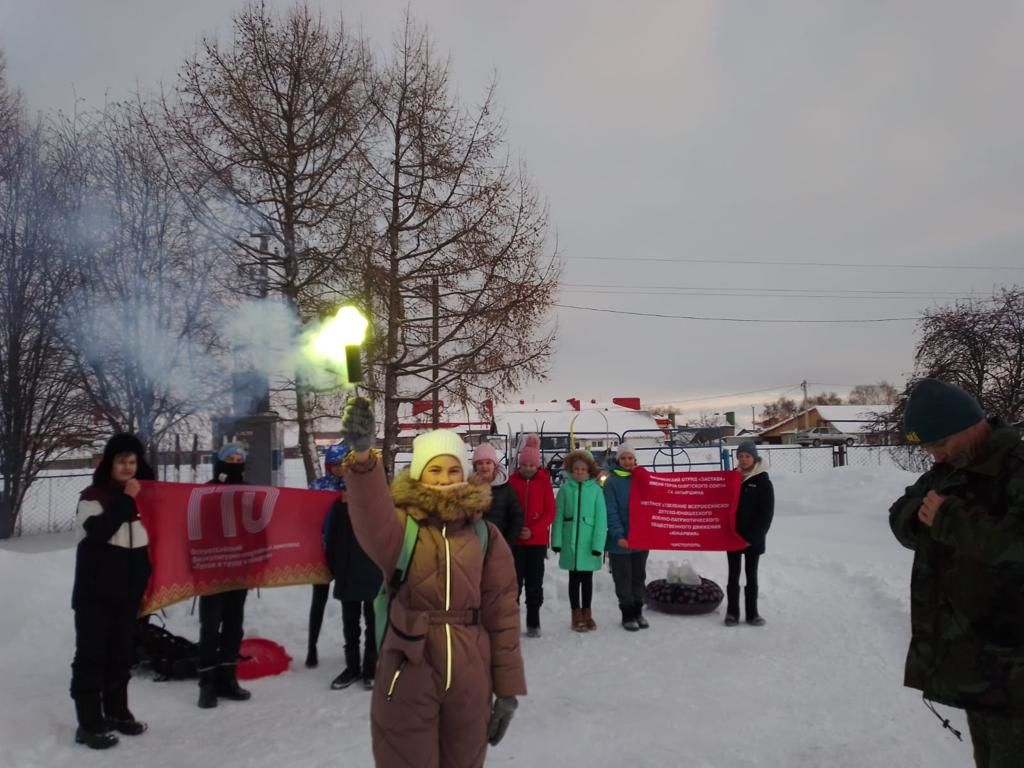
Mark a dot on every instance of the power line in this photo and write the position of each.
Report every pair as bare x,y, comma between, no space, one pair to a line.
629,291
827,264
760,289
738,319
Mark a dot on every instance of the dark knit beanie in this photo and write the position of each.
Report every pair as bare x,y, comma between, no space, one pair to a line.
748,446
123,442
935,410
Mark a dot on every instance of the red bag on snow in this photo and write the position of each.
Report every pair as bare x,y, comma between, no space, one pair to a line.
261,658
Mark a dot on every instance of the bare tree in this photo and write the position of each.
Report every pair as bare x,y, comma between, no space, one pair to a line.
825,398
978,345
40,415
779,410
143,321
707,420
882,393
459,279
266,138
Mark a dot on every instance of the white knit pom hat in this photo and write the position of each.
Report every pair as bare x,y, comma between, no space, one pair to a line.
440,442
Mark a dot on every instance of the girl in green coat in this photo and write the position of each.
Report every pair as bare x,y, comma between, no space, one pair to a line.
579,534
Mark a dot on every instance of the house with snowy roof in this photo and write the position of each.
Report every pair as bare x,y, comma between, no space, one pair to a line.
854,421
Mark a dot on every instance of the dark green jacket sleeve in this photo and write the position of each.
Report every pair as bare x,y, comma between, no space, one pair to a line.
992,540
903,514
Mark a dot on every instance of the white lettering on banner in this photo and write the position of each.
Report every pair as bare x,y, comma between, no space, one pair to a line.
227,515
257,509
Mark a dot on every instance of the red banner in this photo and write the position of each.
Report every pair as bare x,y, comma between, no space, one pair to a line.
684,510
205,539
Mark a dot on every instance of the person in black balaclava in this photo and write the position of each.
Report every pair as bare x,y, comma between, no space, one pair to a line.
221,616
111,571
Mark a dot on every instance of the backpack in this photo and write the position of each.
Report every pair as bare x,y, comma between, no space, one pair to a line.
170,656
382,603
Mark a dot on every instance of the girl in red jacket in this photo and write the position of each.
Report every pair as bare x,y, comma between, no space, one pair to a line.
532,485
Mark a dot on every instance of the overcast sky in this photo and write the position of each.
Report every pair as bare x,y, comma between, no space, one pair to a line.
849,133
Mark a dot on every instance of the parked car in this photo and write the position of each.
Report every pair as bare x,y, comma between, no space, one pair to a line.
824,436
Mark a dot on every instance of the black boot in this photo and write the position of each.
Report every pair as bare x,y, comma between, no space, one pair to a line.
750,598
638,614
628,618
116,713
348,676
227,684
732,605
532,620
207,689
312,659
369,665
92,730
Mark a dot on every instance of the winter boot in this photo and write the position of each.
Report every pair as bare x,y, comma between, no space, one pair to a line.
207,689
532,620
578,624
629,622
750,598
348,676
116,713
369,668
312,659
227,684
588,620
92,730
638,614
732,605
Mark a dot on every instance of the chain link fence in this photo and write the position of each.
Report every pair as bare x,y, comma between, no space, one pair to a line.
800,460
52,500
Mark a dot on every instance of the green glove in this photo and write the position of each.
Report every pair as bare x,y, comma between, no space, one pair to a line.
357,425
501,716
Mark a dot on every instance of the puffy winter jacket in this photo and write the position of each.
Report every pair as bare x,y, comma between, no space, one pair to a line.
504,511
756,508
112,563
356,577
616,498
967,583
453,638
580,530
537,500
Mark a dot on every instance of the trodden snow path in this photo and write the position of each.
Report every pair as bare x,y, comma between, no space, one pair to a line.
819,686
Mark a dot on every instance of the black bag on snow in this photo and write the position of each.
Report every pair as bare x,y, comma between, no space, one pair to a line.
171,657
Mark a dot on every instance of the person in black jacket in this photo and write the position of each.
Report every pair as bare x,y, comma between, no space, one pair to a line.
111,571
357,580
753,519
505,512
221,616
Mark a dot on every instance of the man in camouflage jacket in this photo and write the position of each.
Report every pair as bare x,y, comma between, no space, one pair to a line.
964,519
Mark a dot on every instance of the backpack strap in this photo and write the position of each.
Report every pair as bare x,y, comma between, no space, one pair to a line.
382,603
412,530
483,533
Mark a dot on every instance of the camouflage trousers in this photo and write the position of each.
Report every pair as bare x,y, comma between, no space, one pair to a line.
998,739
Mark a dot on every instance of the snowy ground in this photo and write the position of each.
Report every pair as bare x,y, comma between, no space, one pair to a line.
819,686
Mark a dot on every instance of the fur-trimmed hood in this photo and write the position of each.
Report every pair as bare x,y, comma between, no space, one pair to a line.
758,469
466,501
586,457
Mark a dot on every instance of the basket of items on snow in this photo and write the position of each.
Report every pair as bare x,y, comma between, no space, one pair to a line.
683,592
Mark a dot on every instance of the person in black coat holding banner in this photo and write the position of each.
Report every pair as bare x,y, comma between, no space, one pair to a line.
753,519
357,580
111,571
221,616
